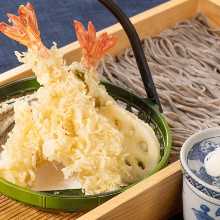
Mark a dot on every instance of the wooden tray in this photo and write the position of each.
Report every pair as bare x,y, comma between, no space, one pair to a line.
159,196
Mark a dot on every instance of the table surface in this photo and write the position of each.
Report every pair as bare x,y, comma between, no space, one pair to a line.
55,21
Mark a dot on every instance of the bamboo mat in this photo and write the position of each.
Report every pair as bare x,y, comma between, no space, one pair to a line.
12,210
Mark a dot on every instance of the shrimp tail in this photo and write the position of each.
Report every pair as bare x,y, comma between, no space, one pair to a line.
24,29
93,47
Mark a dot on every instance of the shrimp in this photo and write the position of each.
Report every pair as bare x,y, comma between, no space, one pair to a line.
93,47
138,137
47,64
62,125
24,29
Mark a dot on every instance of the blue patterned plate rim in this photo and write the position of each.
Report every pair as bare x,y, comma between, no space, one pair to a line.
187,146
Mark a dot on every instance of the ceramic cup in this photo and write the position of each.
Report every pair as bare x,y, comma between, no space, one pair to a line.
201,192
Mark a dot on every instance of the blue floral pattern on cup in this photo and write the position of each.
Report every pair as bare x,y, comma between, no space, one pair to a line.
196,157
203,213
202,188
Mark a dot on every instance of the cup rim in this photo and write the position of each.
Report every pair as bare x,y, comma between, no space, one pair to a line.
188,145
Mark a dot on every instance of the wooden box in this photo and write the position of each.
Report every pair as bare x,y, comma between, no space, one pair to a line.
159,196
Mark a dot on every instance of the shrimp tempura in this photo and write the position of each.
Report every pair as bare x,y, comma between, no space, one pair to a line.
24,29
139,140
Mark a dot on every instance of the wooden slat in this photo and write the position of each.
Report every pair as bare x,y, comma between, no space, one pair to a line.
211,9
10,209
155,198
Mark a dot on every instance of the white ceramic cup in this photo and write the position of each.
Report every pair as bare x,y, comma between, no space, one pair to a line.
201,200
